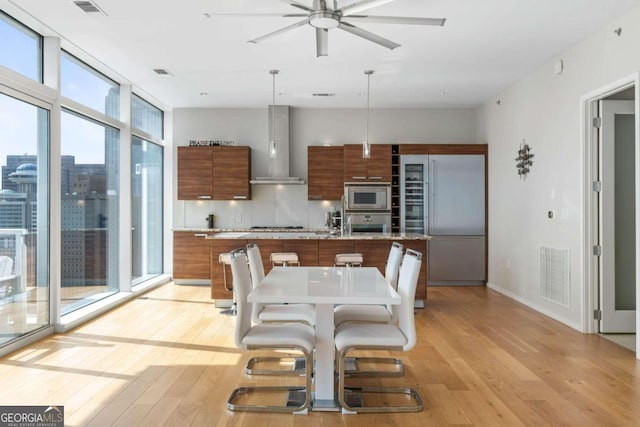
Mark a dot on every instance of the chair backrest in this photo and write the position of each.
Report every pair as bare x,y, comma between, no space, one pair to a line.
407,283
393,264
257,274
241,287
6,265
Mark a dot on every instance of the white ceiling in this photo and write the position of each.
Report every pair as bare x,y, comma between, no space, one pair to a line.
484,46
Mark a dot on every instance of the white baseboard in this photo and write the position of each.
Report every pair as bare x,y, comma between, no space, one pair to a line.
535,307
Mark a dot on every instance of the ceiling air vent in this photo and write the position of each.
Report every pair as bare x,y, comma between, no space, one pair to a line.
89,7
162,71
324,94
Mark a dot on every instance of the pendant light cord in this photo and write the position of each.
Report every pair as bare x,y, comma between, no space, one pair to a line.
368,92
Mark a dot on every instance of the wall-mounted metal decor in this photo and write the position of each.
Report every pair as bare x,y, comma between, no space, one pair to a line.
523,161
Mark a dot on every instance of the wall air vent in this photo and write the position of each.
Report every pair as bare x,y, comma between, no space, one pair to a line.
161,71
555,275
89,7
324,94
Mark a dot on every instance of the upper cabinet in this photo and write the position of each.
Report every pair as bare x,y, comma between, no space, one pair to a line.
214,173
442,149
195,173
325,170
231,173
377,168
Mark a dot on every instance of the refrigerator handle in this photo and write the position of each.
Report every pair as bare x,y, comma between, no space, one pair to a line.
431,195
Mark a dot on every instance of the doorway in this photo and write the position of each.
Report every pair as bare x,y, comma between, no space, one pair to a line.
612,212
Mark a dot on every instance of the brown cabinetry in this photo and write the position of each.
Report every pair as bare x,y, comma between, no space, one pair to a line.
231,173
267,247
214,173
195,173
442,149
327,250
377,168
420,246
325,171
190,256
220,246
311,252
307,250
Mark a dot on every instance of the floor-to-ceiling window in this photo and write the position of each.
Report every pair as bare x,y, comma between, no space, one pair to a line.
146,190
25,297
89,160
89,188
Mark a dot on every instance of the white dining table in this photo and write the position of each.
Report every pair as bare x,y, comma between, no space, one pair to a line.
324,287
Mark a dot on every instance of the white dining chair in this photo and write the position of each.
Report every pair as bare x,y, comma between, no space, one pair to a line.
374,314
387,337
274,313
287,336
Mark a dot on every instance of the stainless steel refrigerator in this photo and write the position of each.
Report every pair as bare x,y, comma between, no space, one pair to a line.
444,196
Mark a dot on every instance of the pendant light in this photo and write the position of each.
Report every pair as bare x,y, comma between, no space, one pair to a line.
273,152
366,146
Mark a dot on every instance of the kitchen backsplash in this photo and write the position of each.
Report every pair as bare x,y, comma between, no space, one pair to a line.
271,205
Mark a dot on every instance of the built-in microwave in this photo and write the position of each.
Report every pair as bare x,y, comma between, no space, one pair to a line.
367,197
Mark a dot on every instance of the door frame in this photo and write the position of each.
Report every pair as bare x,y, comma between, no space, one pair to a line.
589,135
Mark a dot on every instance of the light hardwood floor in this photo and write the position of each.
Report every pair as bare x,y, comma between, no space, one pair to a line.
168,358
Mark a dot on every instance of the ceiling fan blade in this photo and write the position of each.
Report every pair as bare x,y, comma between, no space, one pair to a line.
322,42
243,15
280,31
354,8
298,5
399,20
367,35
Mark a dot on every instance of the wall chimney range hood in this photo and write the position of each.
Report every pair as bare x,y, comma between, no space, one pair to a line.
278,165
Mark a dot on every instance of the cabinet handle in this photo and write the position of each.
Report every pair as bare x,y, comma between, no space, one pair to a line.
359,177
311,197
200,235
240,197
204,197
375,177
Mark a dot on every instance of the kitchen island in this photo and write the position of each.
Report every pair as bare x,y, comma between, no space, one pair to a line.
314,248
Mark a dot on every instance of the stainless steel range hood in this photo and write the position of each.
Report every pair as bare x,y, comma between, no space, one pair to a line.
279,166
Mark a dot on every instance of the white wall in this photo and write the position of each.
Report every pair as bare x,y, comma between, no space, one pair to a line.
288,205
544,109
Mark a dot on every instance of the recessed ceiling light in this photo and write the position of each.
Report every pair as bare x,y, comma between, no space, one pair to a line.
361,93
443,93
204,93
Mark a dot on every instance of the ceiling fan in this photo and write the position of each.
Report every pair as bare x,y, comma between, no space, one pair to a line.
323,18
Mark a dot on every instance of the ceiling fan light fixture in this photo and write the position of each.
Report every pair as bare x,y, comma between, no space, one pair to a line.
324,20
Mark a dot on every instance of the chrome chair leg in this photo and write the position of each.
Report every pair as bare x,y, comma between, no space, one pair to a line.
344,391
297,406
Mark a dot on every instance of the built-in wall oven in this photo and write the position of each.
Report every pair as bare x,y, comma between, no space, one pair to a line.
369,222
367,197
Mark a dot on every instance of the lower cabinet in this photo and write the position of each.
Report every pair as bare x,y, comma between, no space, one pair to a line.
190,256
267,247
218,288
420,246
311,253
327,250
307,250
